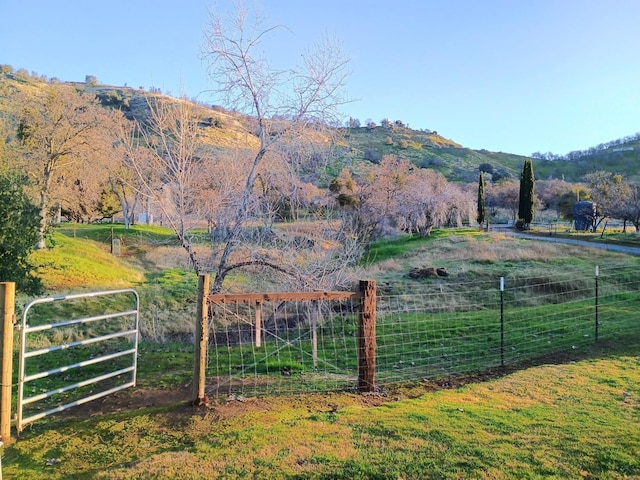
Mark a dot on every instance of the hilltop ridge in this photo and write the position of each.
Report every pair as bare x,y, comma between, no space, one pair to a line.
357,146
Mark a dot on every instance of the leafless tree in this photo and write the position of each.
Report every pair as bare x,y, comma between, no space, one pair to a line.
429,201
133,178
504,195
550,193
630,209
162,151
608,191
286,104
397,194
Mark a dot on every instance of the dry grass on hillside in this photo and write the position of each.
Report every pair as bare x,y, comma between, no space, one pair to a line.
461,255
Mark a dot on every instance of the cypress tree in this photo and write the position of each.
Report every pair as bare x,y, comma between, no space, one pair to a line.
481,202
527,193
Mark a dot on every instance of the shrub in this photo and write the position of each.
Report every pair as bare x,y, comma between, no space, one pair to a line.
19,224
372,155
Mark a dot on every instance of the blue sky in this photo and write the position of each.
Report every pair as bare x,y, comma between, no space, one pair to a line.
516,76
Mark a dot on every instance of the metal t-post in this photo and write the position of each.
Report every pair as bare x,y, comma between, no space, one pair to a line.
502,321
597,322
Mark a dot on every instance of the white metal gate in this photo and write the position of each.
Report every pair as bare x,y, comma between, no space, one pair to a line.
106,342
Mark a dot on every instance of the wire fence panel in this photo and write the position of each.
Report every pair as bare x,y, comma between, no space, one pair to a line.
436,331
425,330
298,346
617,304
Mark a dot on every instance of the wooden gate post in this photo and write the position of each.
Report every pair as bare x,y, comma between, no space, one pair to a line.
201,342
7,311
367,337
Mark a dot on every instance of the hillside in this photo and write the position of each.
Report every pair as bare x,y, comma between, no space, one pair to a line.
426,149
621,156
359,146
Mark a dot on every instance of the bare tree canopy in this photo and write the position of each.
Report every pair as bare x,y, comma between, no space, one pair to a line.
399,194
239,192
243,77
284,103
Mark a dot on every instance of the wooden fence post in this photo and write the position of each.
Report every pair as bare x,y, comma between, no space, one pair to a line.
367,337
201,342
7,310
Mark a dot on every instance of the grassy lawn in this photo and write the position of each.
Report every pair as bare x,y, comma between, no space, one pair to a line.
574,420
578,419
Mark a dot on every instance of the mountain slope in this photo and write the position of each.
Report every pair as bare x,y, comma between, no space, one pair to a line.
361,146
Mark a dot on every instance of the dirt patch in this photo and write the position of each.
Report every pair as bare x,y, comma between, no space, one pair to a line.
180,400
131,399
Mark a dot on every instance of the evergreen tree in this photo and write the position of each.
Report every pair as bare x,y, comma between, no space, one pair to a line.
527,195
19,227
481,201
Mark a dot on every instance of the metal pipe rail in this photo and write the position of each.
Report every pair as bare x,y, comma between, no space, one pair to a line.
24,354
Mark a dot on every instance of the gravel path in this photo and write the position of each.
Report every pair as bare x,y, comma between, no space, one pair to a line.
606,246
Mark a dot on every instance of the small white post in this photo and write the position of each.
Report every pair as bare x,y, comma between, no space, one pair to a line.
258,324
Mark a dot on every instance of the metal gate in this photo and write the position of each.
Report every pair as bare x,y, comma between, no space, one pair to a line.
76,358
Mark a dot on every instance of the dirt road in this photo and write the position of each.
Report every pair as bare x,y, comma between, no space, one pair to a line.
604,245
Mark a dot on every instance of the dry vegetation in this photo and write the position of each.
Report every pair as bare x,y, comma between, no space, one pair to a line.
467,254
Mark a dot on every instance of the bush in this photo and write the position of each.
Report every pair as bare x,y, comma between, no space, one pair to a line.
19,224
373,156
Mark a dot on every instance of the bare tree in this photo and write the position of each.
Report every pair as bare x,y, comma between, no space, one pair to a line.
396,193
364,205
60,133
630,210
504,195
133,171
607,191
428,201
550,193
285,104
162,151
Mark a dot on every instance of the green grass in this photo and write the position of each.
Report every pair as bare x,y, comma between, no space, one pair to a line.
562,421
577,420
382,250
414,346
104,232
455,329
74,264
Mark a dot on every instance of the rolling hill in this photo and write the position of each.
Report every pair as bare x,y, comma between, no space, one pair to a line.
363,145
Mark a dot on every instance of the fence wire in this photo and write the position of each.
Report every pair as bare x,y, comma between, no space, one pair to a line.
427,330
301,346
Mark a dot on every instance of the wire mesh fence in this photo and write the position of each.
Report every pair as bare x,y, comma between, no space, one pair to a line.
280,346
428,331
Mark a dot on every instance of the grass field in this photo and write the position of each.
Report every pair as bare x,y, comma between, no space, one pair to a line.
577,416
573,420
